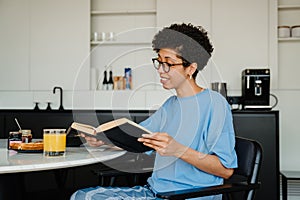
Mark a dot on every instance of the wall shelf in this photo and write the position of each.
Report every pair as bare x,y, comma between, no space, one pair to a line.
289,39
281,7
123,12
118,43
133,24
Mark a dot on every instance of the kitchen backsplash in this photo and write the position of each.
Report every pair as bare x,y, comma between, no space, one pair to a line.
127,99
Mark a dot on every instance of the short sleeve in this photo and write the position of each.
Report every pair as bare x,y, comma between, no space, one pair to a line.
220,136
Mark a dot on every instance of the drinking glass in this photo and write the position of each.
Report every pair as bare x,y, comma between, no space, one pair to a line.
54,142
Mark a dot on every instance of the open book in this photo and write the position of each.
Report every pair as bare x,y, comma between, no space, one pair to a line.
120,132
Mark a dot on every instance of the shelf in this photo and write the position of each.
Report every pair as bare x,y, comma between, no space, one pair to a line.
123,12
118,43
281,7
289,39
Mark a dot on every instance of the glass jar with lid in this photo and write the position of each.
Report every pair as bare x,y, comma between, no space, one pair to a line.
295,31
26,136
14,137
284,31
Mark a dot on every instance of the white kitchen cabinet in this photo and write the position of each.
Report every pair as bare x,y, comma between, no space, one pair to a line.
288,48
59,49
14,48
241,31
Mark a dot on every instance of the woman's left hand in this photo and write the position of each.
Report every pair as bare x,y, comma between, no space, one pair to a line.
163,143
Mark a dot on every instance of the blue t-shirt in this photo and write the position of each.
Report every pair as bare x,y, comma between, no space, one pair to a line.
202,122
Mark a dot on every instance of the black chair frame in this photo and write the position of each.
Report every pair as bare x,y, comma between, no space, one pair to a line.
245,178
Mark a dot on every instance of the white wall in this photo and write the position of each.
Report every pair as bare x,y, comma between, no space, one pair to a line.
44,44
289,128
14,50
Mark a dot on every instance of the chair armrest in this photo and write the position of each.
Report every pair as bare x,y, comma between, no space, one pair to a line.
208,191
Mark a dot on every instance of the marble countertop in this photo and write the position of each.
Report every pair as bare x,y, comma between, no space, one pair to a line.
12,161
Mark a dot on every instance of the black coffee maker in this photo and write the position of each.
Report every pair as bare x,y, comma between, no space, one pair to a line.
256,88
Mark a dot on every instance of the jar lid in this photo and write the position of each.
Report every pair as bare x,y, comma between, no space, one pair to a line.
14,132
296,26
26,132
54,130
283,27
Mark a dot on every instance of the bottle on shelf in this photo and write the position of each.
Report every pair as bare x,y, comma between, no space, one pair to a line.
128,79
110,83
105,82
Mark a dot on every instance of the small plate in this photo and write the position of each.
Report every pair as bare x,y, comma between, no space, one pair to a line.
28,151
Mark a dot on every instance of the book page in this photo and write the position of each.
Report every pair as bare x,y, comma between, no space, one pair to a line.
119,122
84,125
111,124
84,128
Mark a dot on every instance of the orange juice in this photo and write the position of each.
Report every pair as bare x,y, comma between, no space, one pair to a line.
54,142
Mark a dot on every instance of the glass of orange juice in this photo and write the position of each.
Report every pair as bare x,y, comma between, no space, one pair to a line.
54,142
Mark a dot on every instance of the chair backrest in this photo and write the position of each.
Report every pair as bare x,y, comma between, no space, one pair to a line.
249,154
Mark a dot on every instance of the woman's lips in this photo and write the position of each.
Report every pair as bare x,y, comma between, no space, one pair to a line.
163,80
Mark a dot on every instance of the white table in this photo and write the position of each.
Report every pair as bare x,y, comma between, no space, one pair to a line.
12,161
14,164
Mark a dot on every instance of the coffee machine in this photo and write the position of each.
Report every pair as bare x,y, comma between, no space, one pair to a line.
256,89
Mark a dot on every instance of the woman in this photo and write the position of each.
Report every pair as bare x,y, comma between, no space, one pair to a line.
193,133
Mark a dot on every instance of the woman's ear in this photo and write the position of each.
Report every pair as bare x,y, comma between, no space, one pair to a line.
192,68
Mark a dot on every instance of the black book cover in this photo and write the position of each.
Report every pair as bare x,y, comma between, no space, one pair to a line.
124,136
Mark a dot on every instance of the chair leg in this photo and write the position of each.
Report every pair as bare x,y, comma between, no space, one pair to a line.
112,180
105,181
226,197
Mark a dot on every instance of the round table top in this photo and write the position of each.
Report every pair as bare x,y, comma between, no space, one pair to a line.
12,161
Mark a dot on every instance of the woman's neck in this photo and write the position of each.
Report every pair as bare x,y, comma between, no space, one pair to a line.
189,89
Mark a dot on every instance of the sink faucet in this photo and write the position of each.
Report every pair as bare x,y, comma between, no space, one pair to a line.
61,96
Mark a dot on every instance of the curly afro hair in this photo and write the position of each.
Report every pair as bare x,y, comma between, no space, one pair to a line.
190,42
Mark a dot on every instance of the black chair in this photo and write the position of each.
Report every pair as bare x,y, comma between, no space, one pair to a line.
132,167
243,182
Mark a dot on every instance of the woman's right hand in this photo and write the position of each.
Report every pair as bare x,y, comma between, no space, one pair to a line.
93,142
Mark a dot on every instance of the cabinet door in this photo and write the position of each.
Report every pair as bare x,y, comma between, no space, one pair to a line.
263,127
2,130
14,48
36,122
59,35
240,36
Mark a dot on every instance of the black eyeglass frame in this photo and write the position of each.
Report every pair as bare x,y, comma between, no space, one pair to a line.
164,64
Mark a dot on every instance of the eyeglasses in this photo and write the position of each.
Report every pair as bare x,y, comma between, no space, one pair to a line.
166,66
